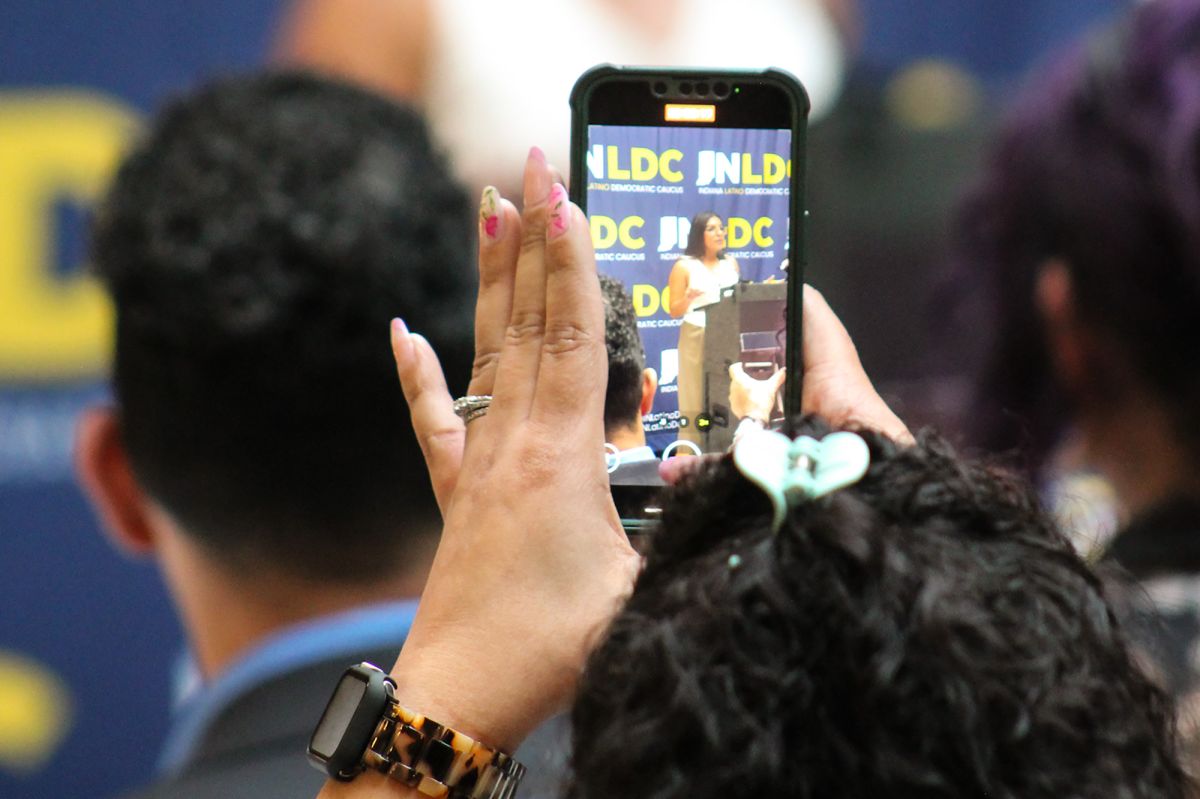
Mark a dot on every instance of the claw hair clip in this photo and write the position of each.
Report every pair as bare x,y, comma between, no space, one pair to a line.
793,471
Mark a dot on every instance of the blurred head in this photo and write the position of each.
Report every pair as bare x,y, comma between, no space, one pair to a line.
1084,234
924,632
631,385
256,244
706,238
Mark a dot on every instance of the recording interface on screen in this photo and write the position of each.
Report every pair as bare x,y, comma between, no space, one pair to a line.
661,200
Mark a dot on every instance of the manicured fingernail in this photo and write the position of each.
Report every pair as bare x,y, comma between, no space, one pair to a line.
537,178
400,340
489,212
559,220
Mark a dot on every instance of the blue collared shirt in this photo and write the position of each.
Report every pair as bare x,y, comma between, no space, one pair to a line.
314,641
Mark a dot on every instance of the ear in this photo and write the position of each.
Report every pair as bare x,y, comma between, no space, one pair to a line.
102,466
1054,294
649,386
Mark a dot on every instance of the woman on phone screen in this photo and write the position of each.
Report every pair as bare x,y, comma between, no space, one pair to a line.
696,281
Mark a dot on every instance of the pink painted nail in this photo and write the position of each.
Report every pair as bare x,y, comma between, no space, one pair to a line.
489,212
559,220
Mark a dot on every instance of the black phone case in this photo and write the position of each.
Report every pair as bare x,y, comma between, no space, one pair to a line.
581,94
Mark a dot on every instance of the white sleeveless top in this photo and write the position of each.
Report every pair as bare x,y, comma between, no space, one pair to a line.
711,281
501,72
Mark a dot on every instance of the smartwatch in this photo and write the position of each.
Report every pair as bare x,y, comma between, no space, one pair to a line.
363,727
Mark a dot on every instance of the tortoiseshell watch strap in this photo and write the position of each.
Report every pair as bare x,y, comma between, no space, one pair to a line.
439,761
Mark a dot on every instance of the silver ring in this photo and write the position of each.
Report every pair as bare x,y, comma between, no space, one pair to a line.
472,406
472,415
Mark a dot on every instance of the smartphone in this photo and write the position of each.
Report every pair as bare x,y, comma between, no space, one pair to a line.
693,183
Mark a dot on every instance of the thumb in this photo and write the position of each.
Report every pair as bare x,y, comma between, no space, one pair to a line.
438,429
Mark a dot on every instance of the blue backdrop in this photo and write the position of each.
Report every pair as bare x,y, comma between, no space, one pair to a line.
88,640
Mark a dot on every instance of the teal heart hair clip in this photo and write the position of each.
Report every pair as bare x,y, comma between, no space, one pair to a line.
792,471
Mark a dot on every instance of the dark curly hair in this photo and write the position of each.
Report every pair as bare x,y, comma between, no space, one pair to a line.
626,357
256,243
924,633
1098,165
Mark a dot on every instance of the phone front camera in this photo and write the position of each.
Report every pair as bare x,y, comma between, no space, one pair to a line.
701,89
660,88
721,90
685,87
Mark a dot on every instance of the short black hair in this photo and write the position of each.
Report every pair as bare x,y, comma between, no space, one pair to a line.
256,244
626,357
926,632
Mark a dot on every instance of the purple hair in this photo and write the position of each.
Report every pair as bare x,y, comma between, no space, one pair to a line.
1099,166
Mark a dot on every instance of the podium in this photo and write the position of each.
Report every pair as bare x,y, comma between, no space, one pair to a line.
747,324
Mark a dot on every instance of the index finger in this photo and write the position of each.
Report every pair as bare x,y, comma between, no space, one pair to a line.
826,342
835,384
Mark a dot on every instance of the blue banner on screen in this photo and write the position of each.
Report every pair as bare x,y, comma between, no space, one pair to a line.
645,185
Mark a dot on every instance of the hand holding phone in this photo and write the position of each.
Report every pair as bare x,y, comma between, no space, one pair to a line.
754,397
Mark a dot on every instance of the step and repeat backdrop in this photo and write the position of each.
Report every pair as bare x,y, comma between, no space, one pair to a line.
645,186
88,639
89,644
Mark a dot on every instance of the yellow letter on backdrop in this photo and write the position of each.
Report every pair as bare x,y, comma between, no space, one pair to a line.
59,145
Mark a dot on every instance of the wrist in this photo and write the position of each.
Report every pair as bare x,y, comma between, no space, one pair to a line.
760,418
746,425
366,727
447,689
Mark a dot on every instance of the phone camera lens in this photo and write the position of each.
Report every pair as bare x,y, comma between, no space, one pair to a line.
660,88
721,90
685,87
701,89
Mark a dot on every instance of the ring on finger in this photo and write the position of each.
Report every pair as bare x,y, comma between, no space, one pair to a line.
472,406
471,416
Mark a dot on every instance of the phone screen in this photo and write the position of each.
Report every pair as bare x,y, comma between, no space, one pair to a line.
694,199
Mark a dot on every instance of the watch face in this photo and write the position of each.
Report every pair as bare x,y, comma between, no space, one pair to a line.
338,715
349,721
